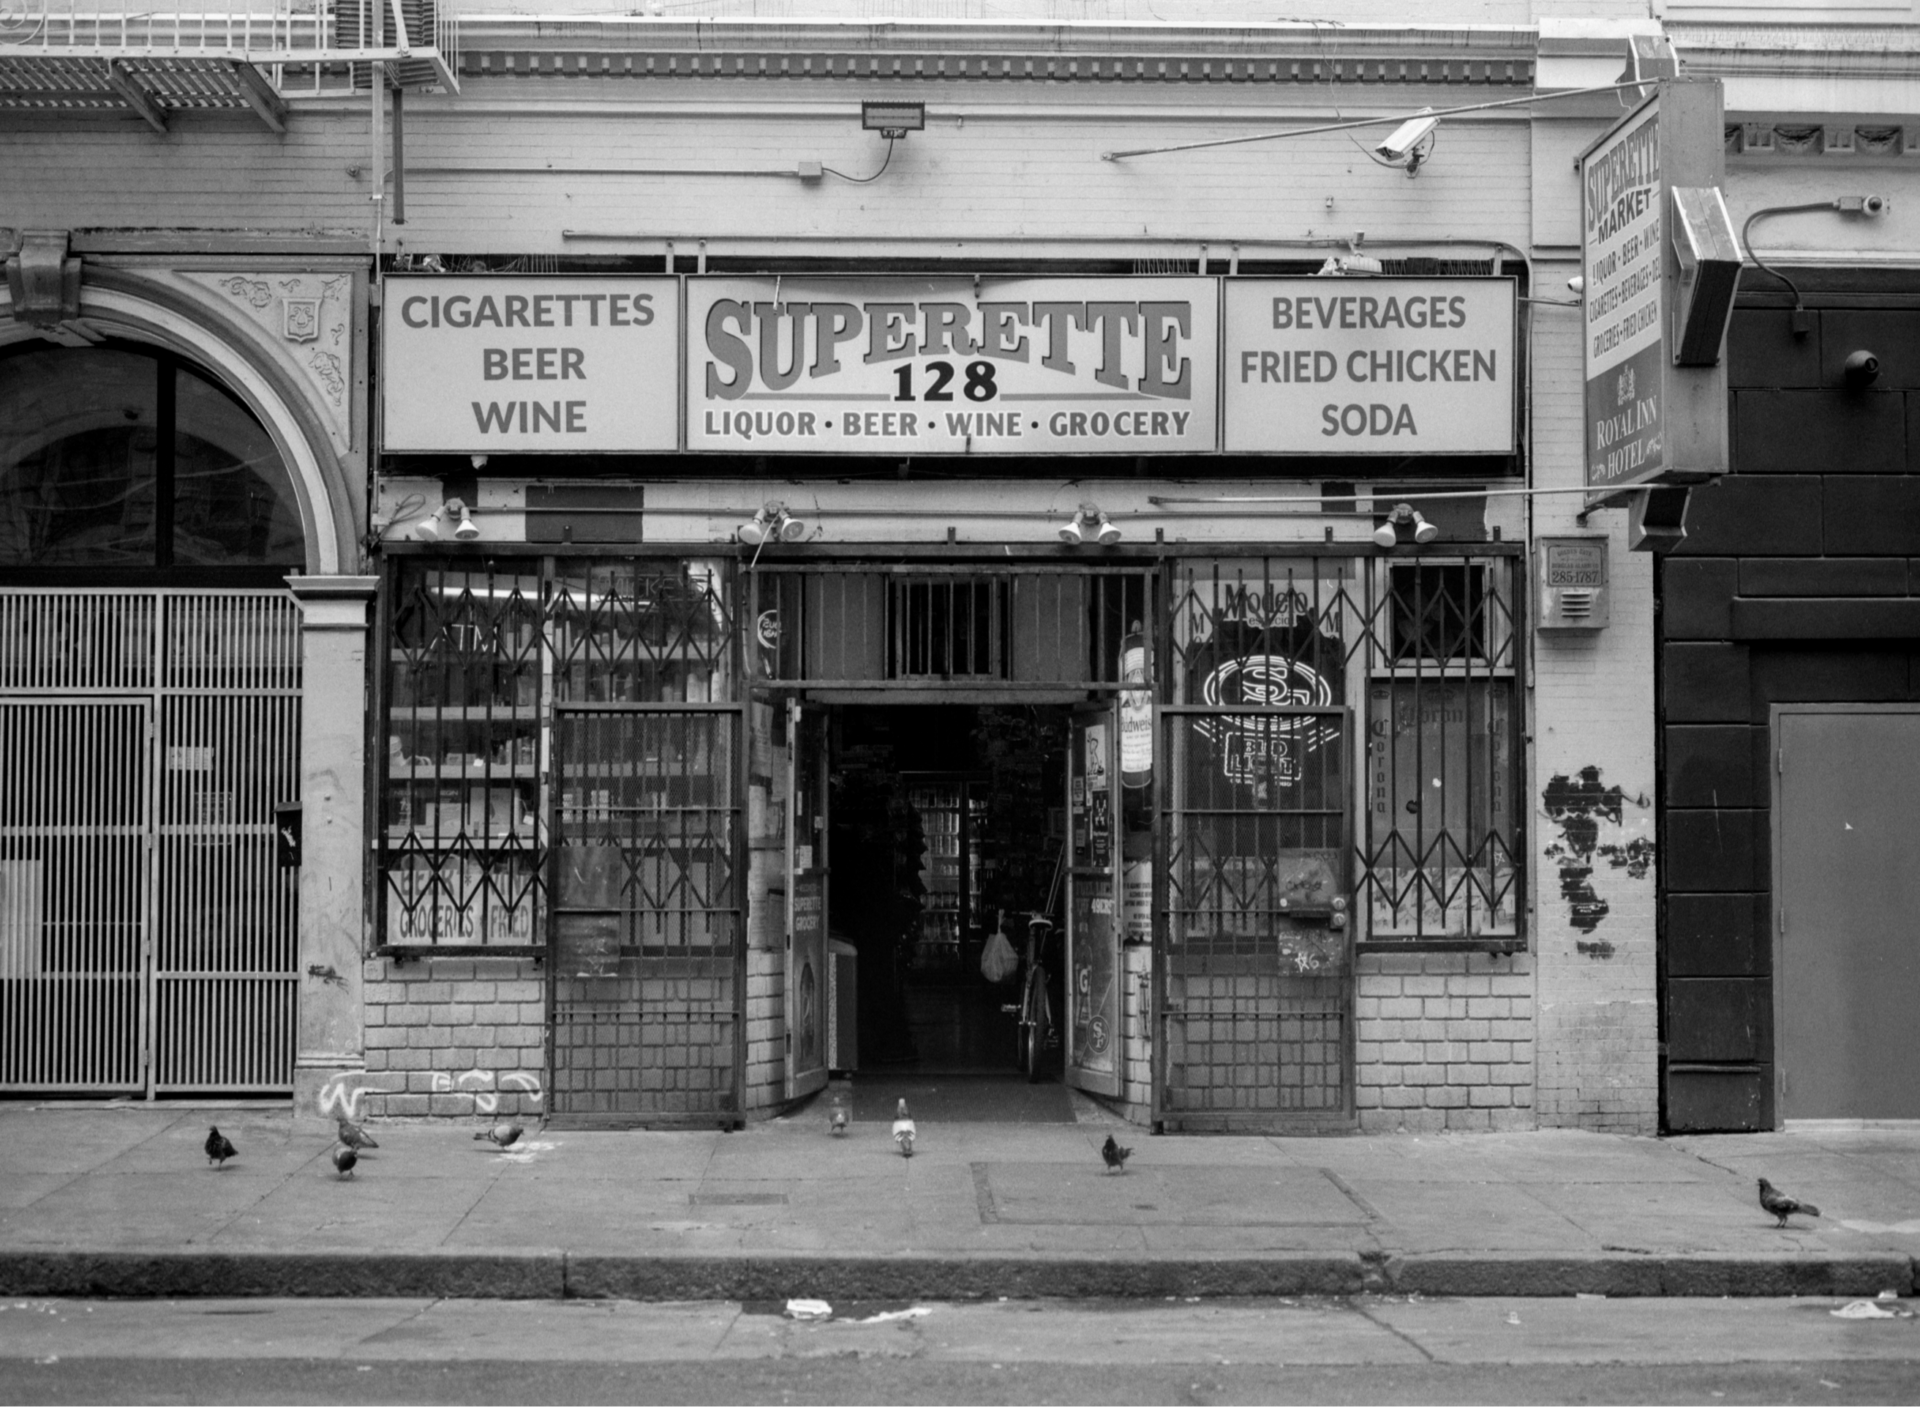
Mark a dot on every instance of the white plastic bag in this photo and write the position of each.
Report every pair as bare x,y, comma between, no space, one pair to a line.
998,962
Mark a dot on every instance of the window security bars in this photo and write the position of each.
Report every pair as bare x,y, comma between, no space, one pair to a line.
947,628
1009,626
480,656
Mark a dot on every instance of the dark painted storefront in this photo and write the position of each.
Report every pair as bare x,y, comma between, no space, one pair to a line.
1798,584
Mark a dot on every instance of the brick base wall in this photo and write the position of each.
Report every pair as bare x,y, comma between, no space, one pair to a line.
1443,1041
452,1037
766,1082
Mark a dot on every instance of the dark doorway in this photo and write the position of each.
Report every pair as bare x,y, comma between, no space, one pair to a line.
945,817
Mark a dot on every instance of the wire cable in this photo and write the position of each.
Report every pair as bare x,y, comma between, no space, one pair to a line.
1746,243
863,180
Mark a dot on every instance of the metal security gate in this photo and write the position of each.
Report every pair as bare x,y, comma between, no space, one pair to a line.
1256,967
148,938
649,955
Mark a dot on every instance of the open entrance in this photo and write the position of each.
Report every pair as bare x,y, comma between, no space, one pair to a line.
948,827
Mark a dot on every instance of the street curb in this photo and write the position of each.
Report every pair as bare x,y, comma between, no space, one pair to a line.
954,1278
369,1274
554,1274
1637,1275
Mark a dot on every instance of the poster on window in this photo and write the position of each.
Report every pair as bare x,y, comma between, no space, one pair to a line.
1439,790
449,900
1251,639
1094,1002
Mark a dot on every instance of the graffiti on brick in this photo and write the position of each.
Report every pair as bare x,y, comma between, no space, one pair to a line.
1595,828
486,1086
340,1096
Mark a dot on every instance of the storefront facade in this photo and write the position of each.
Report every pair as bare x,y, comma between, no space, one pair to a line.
752,548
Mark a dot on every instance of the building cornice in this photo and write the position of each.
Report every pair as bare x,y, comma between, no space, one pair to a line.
963,51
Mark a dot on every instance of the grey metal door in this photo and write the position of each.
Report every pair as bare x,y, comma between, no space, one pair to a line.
1847,893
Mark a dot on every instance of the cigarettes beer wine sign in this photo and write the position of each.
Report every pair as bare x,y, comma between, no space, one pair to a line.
951,366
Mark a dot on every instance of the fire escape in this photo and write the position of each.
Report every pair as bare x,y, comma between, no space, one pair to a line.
99,56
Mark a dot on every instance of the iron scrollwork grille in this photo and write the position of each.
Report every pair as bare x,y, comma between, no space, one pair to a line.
1425,651
462,848
479,652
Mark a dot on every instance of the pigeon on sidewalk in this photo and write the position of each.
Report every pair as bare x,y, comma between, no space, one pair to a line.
354,1136
837,1120
1781,1205
1115,1156
903,1130
503,1135
219,1147
344,1158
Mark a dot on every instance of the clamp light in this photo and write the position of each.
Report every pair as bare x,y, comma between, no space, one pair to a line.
1404,519
773,523
1089,521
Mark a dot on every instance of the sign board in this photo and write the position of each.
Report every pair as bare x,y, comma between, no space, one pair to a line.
1370,366
1649,420
1624,326
558,365
952,366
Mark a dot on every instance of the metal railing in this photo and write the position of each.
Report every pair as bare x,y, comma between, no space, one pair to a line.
306,47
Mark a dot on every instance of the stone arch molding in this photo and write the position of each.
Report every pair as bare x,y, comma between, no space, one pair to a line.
287,343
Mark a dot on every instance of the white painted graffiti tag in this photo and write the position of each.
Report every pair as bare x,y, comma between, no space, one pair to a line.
485,1085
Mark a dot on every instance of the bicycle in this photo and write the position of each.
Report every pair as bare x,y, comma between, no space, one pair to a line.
1036,1003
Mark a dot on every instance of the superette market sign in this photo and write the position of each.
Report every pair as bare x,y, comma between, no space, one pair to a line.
1623,289
560,365
1370,366
951,366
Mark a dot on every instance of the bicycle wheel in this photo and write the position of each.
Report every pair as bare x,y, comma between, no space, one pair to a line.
1034,1025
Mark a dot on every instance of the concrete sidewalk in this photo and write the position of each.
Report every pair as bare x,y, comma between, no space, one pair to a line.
120,1200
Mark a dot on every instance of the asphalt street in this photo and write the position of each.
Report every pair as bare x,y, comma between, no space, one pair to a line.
1341,1349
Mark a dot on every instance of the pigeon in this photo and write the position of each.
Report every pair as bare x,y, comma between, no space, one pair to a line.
344,1158
219,1147
837,1120
1116,1156
503,1134
354,1136
1781,1205
903,1130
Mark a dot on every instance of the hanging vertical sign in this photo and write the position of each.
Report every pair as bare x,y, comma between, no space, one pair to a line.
1656,386
1624,330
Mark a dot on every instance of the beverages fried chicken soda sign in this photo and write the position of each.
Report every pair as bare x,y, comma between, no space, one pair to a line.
952,366
1370,366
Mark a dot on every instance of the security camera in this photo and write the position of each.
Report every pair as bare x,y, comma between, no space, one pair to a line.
1861,368
1404,140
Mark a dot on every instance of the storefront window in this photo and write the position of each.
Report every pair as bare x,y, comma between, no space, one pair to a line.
1420,656
483,655
126,458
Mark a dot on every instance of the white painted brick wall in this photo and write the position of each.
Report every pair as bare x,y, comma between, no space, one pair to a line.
454,1038
1013,172
1593,708
1443,1041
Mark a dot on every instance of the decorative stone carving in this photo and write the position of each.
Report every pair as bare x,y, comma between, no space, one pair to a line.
308,318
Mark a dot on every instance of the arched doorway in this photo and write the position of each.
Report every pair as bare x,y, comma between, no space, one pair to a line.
149,727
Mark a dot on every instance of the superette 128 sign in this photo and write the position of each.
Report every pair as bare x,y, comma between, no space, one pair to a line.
903,366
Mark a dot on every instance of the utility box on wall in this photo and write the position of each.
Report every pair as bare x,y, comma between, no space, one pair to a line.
1572,589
